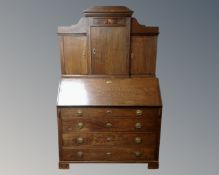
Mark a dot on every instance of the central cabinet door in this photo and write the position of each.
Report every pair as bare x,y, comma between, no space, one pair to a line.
109,50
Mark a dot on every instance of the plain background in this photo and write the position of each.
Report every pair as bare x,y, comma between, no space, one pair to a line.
187,66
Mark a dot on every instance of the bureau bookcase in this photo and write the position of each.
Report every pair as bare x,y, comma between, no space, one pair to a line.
109,104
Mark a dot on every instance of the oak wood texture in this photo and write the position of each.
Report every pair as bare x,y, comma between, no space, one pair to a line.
109,92
108,41
109,104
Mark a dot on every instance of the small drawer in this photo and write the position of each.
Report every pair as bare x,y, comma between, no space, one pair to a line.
119,154
93,124
108,139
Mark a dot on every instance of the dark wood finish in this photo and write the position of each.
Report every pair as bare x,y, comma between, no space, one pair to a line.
107,41
108,154
109,92
119,139
109,103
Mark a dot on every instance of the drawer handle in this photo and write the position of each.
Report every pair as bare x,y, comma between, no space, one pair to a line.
80,140
139,112
108,154
138,140
79,113
137,154
109,125
109,139
80,125
109,111
138,125
80,154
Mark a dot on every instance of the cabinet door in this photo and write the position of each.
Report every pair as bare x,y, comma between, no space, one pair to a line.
109,50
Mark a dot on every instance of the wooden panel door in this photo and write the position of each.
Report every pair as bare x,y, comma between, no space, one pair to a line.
109,50
74,54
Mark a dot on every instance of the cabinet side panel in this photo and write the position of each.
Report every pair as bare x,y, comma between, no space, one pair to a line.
75,54
143,55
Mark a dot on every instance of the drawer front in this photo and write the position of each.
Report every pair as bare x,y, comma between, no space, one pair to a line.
68,113
118,154
108,139
107,125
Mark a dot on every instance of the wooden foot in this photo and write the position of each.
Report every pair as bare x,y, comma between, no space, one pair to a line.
63,165
153,165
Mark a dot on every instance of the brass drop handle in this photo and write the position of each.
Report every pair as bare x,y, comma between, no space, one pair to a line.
138,125
109,125
139,112
138,140
108,154
109,111
80,140
80,154
94,51
108,139
80,125
137,154
79,113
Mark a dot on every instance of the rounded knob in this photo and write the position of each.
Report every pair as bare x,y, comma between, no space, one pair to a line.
80,125
137,154
108,154
109,125
80,140
139,112
80,154
138,140
138,125
109,111
108,139
79,113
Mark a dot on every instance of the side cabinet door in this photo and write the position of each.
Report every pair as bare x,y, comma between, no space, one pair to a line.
109,50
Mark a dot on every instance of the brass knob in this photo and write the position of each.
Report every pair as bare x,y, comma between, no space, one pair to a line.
137,154
109,111
79,113
108,139
139,112
108,154
80,125
138,125
80,154
80,140
109,125
138,140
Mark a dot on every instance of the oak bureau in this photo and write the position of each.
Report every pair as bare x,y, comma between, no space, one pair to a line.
109,104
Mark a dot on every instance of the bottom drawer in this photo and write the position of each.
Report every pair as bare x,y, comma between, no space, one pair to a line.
111,154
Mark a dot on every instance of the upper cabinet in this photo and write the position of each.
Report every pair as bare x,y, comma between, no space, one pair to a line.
108,41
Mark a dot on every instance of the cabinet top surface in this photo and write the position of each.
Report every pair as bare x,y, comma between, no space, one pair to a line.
109,92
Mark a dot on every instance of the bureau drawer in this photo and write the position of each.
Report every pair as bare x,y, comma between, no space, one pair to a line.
114,154
107,125
108,139
67,113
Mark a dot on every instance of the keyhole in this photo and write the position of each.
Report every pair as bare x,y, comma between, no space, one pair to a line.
94,51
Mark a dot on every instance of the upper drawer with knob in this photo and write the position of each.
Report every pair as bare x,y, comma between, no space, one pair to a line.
150,113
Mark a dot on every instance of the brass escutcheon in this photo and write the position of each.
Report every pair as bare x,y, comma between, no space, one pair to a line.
139,112
80,125
138,140
80,140
79,113
137,154
80,154
138,125
109,125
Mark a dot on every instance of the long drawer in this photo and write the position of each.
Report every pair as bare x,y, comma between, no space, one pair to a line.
110,154
67,113
79,139
107,124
